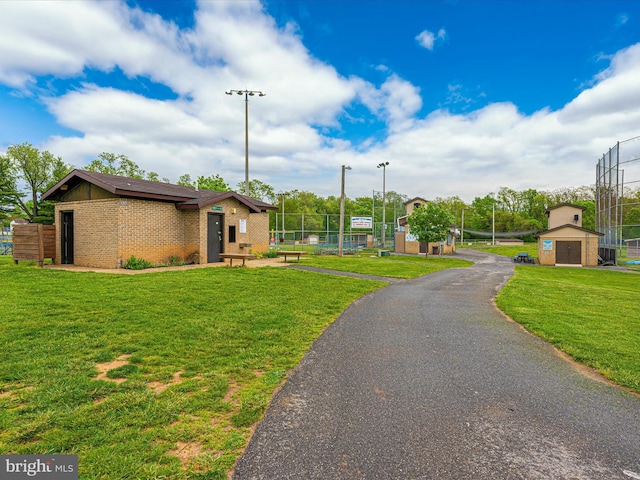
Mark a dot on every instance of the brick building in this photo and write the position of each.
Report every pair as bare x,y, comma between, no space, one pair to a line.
408,243
102,220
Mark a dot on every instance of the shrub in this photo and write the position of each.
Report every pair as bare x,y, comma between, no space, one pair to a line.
175,261
134,263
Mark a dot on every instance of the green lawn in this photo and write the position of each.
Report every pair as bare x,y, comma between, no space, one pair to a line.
204,351
395,266
509,250
591,314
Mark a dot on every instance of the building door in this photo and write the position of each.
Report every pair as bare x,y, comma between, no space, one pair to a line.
67,238
569,252
214,237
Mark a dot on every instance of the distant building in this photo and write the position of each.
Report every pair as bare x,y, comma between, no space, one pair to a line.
565,242
408,243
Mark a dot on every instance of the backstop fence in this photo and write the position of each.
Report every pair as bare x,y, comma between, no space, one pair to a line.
324,229
618,198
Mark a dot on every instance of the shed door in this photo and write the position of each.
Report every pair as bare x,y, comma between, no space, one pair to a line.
214,237
67,238
569,253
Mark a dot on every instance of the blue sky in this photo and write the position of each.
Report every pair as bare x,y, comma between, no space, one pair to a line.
460,97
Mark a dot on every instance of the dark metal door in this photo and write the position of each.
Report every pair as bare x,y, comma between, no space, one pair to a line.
67,238
569,252
214,237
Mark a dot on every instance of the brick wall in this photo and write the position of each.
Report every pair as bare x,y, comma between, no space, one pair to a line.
95,232
589,248
109,231
153,231
257,231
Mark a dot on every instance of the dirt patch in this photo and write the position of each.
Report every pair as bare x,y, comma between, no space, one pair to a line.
186,451
159,387
103,368
233,389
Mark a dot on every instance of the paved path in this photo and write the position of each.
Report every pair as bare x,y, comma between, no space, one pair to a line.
427,379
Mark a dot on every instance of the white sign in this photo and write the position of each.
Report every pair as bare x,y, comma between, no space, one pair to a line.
243,225
410,238
361,222
547,244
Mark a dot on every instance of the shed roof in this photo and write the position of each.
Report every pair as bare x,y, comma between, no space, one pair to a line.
564,205
185,198
568,225
414,199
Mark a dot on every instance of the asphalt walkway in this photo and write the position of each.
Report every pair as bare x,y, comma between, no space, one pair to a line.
427,379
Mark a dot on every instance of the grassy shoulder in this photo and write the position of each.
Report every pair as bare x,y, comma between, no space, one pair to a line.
509,250
591,314
160,375
394,266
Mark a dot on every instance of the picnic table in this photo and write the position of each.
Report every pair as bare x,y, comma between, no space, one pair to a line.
523,257
6,248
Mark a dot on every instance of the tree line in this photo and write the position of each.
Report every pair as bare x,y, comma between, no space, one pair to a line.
506,210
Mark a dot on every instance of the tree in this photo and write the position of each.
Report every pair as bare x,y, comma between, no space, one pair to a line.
185,180
8,189
119,164
38,169
259,190
213,182
430,222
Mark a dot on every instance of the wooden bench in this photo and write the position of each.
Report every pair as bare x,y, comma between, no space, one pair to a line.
285,254
237,256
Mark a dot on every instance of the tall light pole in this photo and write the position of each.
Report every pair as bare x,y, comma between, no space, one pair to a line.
341,228
282,194
383,165
247,94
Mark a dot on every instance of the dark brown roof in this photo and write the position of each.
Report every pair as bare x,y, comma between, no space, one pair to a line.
184,197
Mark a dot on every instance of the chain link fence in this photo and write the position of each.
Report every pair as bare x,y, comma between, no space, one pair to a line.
618,198
324,230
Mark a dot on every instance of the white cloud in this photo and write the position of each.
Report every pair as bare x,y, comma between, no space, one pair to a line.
427,39
622,19
236,45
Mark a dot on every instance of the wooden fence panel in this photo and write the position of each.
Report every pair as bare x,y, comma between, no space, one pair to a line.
34,242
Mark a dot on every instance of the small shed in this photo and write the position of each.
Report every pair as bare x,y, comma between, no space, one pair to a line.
102,220
633,247
566,242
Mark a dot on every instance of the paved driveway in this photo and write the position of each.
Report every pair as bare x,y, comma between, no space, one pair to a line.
427,379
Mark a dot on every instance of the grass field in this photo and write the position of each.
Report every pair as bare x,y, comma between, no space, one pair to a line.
509,250
395,266
591,314
190,360
163,375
